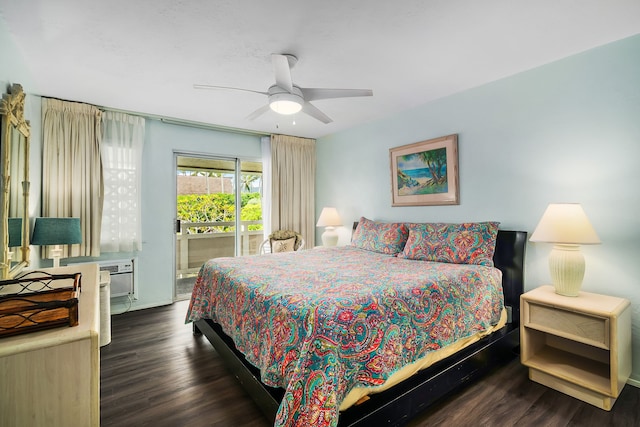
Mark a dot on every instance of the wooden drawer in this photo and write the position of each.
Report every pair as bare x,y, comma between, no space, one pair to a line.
580,327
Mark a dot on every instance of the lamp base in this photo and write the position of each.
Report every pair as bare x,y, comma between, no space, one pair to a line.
56,254
330,237
566,264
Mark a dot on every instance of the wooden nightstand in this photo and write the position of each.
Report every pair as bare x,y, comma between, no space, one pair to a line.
580,346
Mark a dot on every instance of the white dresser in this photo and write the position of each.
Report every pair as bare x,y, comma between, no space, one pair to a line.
52,377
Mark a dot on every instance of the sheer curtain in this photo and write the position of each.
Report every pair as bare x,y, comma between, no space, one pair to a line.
121,151
293,173
71,170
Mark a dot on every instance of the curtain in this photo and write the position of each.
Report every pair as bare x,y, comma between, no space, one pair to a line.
71,170
293,172
121,151
265,142
16,173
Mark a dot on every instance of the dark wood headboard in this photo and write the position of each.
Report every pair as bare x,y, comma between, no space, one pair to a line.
509,258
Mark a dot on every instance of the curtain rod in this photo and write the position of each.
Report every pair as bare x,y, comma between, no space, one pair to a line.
189,123
170,120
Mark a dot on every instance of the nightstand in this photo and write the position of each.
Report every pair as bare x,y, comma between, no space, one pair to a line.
580,346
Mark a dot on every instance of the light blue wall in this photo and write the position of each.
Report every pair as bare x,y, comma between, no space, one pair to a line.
156,260
565,132
12,66
155,263
14,70
568,131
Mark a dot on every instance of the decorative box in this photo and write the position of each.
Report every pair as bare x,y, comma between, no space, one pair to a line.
38,300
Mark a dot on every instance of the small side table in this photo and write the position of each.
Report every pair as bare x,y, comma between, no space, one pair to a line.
580,346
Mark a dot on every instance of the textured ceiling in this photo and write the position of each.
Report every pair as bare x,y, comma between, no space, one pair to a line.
145,55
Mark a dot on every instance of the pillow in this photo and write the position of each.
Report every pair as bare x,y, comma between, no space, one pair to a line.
467,243
383,237
286,234
287,245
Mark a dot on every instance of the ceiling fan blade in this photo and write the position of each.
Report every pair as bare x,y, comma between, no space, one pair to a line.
210,87
260,111
282,71
314,112
312,94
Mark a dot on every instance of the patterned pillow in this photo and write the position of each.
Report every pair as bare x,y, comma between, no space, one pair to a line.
287,245
286,234
468,243
383,237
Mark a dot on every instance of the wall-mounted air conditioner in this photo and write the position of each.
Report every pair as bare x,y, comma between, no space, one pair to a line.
122,273
122,276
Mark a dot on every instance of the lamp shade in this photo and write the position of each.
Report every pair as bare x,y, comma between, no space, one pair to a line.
329,218
15,232
565,223
56,231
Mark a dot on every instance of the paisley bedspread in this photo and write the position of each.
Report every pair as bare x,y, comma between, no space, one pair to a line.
320,322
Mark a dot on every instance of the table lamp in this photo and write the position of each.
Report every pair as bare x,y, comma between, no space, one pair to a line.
56,231
329,219
567,227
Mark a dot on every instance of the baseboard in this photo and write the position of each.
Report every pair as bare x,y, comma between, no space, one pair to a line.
115,306
635,383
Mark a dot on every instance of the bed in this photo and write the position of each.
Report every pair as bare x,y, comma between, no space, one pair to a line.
306,332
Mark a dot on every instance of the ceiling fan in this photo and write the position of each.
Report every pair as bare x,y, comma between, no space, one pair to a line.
287,98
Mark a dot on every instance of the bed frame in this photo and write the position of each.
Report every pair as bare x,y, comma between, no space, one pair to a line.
397,405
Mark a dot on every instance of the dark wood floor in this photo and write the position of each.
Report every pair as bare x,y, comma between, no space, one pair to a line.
156,373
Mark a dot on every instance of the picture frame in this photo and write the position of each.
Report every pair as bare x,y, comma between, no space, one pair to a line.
425,173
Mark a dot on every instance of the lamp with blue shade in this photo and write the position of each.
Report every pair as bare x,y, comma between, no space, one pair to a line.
56,231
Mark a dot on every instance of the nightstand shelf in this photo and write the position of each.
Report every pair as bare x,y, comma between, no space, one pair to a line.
580,346
571,367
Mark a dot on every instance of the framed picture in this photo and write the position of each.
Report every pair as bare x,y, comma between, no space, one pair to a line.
425,173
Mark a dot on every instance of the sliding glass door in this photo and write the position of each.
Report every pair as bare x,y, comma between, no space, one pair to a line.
218,213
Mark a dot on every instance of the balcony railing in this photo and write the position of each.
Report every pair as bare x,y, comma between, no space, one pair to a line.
194,249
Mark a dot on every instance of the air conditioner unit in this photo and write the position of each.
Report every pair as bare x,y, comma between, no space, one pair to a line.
122,276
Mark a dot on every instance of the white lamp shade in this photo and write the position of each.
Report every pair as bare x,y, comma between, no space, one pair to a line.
565,223
329,218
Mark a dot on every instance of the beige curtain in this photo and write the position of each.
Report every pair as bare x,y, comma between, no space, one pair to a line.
72,184
293,174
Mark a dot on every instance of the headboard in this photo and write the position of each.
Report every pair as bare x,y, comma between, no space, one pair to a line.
509,258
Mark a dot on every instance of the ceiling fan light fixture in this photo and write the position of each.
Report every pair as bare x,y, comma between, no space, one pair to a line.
285,103
287,99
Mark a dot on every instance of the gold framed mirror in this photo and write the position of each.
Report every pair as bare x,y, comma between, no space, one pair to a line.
14,197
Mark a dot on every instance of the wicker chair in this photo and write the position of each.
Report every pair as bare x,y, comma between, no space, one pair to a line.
282,241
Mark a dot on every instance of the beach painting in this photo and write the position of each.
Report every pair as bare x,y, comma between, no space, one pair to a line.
425,173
